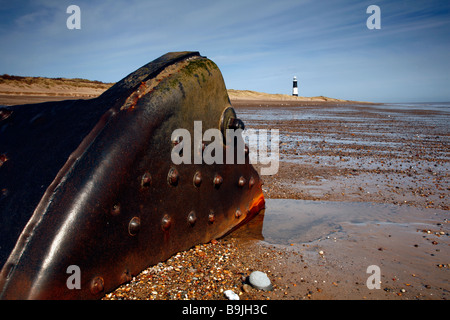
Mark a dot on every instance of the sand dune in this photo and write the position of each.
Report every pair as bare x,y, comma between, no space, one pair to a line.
38,86
19,90
254,95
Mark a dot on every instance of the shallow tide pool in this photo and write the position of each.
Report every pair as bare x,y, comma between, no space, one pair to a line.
288,221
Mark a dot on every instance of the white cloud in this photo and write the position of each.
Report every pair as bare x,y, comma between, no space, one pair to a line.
255,43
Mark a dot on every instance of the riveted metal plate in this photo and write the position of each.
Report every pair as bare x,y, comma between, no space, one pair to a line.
91,182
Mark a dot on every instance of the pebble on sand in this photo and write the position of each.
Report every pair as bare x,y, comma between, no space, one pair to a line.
260,280
231,295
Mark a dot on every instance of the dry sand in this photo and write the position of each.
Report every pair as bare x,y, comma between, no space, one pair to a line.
21,90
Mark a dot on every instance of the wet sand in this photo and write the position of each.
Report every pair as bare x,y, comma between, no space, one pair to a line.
358,185
367,185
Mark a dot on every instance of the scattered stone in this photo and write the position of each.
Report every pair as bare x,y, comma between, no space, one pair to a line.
260,280
246,288
231,295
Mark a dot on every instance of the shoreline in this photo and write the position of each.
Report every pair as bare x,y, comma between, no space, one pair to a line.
16,90
15,98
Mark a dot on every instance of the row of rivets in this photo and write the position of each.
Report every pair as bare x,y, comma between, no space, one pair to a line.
173,178
166,222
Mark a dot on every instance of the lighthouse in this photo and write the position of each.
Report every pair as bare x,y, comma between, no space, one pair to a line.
294,87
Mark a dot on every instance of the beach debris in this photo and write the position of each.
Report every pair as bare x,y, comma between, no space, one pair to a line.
231,295
260,280
247,288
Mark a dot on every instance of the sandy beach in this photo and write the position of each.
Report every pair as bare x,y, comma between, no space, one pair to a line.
358,185
374,180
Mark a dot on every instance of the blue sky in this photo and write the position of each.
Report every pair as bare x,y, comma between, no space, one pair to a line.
258,45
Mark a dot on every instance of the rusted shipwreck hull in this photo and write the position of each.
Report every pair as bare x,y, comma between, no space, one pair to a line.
91,184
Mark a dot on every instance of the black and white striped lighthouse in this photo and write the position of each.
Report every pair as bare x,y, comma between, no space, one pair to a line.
294,87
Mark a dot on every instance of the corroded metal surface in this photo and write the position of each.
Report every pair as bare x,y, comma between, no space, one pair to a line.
90,183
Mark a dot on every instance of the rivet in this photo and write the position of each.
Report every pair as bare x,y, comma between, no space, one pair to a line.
246,149
4,114
241,182
38,119
234,123
218,180
134,226
192,218
197,179
166,222
146,180
97,285
173,177
251,182
126,276
176,141
115,210
3,193
3,159
211,217
238,213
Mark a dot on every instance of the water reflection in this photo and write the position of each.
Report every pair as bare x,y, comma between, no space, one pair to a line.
286,221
